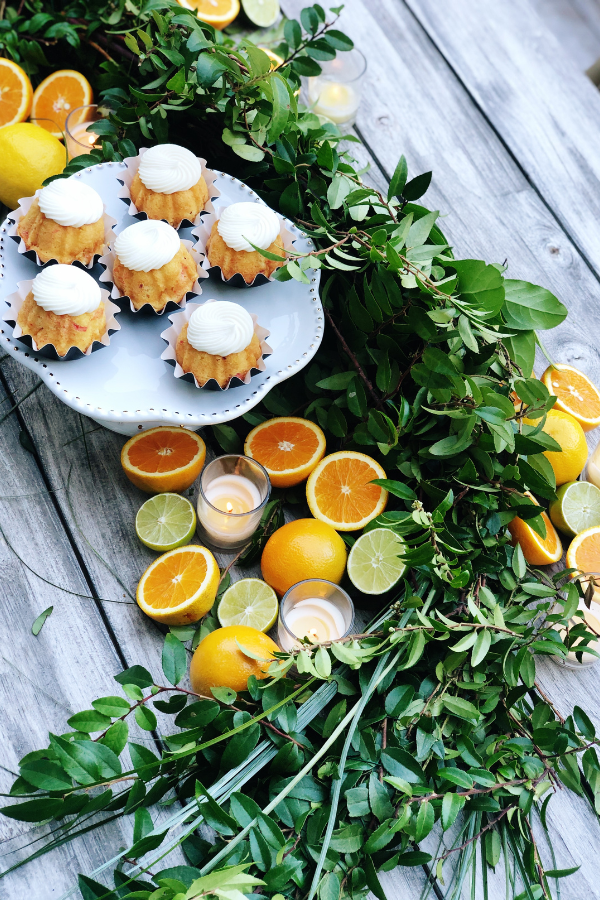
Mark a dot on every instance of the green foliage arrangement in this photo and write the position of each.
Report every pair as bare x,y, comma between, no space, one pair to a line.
431,722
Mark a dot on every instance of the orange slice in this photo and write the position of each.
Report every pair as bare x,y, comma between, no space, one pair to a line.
57,96
287,447
180,586
538,551
575,394
218,13
163,460
339,492
16,93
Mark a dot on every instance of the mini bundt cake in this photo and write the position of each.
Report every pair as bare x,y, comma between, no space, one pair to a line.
230,243
169,184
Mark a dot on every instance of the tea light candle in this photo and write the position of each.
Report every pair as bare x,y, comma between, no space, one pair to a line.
79,140
233,493
314,609
335,101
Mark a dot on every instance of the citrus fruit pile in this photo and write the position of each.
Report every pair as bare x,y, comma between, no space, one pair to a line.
31,151
576,510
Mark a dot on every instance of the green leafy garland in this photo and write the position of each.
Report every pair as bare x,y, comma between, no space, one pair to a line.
316,781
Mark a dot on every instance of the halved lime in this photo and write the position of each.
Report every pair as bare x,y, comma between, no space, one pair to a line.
165,522
249,602
576,508
373,564
263,13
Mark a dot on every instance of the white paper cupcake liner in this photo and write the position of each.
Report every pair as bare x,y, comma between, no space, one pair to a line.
202,232
15,302
171,334
126,178
109,259
23,208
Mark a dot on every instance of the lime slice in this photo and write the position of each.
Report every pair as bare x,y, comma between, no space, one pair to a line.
576,508
249,602
373,564
165,522
263,13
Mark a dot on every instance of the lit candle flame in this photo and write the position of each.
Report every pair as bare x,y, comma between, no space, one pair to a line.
229,507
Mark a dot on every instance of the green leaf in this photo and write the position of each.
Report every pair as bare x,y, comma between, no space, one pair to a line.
144,761
33,810
380,838
135,675
417,186
461,708
174,659
337,382
89,721
46,775
116,737
372,879
396,488
224,695
111,706
584,723
145,718
529,306
481,647
416,858
425,821
379,798
401,764
398,179
451,806
480,285
561,873
250,152
39,622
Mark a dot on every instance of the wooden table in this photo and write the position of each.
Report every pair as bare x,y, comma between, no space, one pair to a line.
491,97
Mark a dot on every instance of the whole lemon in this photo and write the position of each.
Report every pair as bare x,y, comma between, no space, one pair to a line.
305,548
29,155
567,431
219,662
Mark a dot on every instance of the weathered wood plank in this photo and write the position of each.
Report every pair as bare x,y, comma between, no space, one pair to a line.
576,26
43,679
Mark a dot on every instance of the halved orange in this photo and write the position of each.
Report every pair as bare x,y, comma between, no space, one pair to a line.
339,492
163,460
538,551
575,394
16,93
57,95
288,448
218,13
180,586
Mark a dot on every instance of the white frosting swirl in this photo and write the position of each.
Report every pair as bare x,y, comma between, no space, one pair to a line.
219,327
244,222
167,168
147,245
71,202
66,291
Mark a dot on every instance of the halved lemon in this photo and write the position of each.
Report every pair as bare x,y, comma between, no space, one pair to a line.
218,13
289,448
16,93
58,95
575,394
180,586
339,491
538,551
163,459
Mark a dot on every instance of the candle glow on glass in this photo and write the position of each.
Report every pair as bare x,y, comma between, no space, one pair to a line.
317,619
79,140
230,504
316,610
336,101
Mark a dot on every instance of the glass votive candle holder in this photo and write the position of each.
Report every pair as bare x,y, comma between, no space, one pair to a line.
335,93
234,491
314,609
78,139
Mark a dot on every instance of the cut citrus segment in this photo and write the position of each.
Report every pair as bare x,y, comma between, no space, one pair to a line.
16,93
163,459
249,602
576,508
538,551
165,522
219,661
288,448
373,563
180,586
339,492
575,394
218,13
263,13
58,95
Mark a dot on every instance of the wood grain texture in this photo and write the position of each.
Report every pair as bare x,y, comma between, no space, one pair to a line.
576,26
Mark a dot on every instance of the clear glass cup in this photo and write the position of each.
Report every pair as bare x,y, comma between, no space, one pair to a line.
78,139
327,613
234,491
335,94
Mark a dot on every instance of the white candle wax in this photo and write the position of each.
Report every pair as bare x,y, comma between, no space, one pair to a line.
336,101
315,618
232,495
78,135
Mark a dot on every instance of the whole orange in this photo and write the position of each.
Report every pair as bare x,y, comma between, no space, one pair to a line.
219,662
305,548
